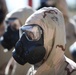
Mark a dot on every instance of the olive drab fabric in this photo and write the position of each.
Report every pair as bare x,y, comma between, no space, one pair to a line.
22,14
55,62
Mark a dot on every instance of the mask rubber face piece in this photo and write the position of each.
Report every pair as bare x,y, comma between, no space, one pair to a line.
30,49
10,38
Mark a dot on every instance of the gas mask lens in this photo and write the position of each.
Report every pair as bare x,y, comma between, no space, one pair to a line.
32,32
14,23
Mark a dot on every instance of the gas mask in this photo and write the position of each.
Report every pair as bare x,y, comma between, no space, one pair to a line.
30,47
11,36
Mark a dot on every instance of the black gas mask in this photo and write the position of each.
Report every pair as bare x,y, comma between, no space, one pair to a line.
30,47
11,36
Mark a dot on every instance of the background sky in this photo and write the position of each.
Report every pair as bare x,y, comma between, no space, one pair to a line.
13,4
71,3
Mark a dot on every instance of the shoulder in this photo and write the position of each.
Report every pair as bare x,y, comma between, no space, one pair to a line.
70,67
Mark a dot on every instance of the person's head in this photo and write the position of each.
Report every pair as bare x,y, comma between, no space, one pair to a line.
43,37
17,17
14,23
14,20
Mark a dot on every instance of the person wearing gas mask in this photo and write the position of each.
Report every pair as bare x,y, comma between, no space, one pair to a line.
14,20
44,32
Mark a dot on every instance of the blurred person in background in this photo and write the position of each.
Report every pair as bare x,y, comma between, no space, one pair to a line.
73,51
14,20
73,45
45,34
3,12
